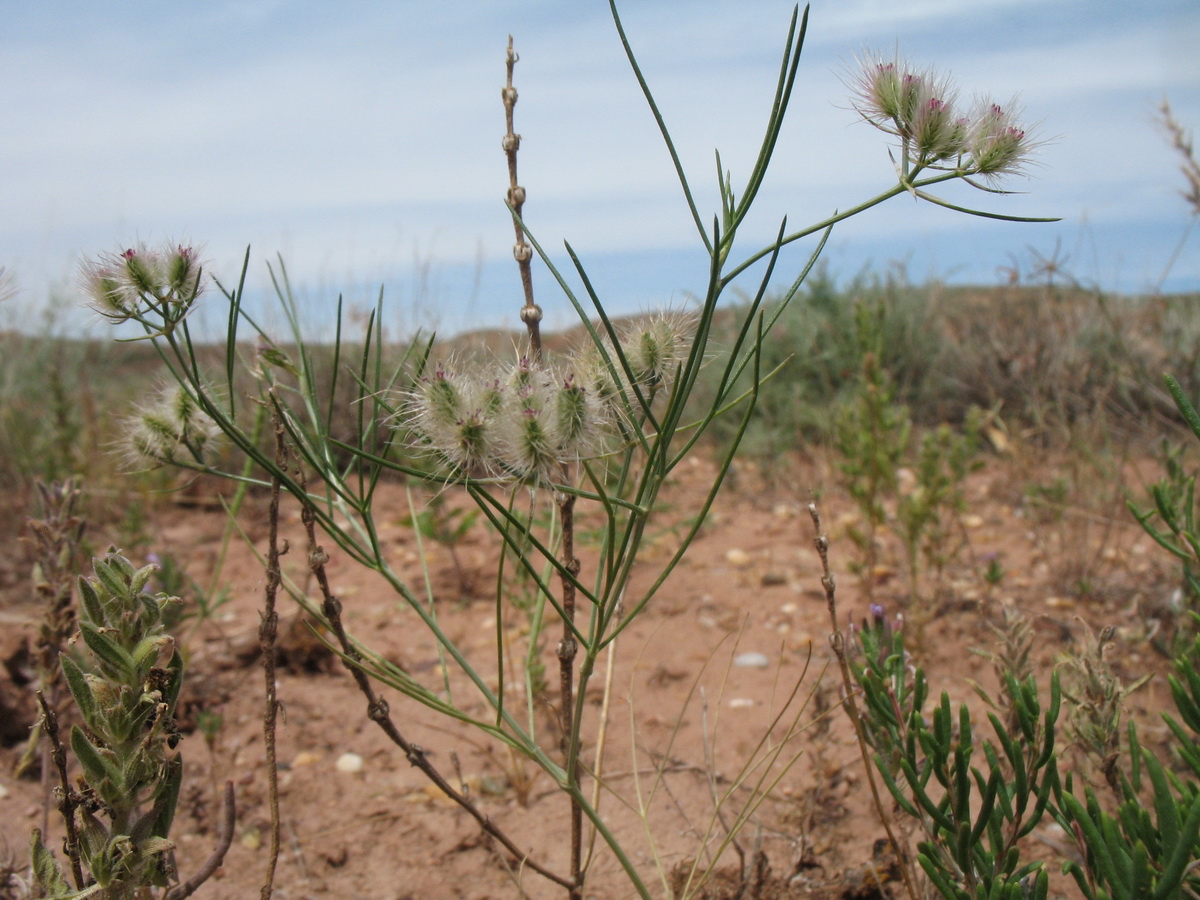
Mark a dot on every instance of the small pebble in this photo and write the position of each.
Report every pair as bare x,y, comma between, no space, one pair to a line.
349,763
741,703
772,579
737,557
3,792
304,758
751,661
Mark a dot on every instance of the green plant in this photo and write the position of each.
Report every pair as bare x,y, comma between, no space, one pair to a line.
974,819
973,813
928,516
604,427
126,689
1149,847
872,440
1171,520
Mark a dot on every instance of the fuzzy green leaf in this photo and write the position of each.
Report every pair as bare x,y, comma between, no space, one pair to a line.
81,691
95,766
111,579
92,606
107,650
167,797
48,875
141,578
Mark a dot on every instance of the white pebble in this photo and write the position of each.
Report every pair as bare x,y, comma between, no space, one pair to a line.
751,661
349,763
737,557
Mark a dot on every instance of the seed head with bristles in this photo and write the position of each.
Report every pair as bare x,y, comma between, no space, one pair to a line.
170,428
136,281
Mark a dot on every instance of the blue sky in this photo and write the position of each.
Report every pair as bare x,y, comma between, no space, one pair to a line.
362,141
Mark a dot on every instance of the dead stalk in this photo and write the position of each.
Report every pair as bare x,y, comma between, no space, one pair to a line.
531,313
568,648
214,861
267,631
378,710
68,799
850,704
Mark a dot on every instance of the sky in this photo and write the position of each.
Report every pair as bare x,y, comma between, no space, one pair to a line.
359,142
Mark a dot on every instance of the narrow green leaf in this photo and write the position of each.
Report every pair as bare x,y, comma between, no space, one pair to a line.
48,874
81,691
107,650
93,609
1184,405
96,766
1182,853
167,797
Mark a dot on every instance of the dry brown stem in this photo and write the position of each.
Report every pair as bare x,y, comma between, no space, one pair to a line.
267,631
838,642
531,313
68,799
224,839
378,710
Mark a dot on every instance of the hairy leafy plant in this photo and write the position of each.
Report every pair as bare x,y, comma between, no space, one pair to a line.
126,688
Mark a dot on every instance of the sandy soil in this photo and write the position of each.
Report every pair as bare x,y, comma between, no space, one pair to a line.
682,717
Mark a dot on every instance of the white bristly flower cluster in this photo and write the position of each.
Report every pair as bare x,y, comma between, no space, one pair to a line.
169,428
919,107
526,422
138,283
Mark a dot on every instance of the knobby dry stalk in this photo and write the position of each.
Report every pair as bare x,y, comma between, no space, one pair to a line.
531,313
267,633
568,647
837,641
378,710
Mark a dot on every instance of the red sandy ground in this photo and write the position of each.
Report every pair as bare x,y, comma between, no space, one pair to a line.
750,583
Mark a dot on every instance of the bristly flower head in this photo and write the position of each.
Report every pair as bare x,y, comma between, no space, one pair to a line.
155,287
998,144
654,347
522,422
451,412
170,428
919,107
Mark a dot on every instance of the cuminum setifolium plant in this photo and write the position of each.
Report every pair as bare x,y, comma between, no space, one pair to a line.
604,426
